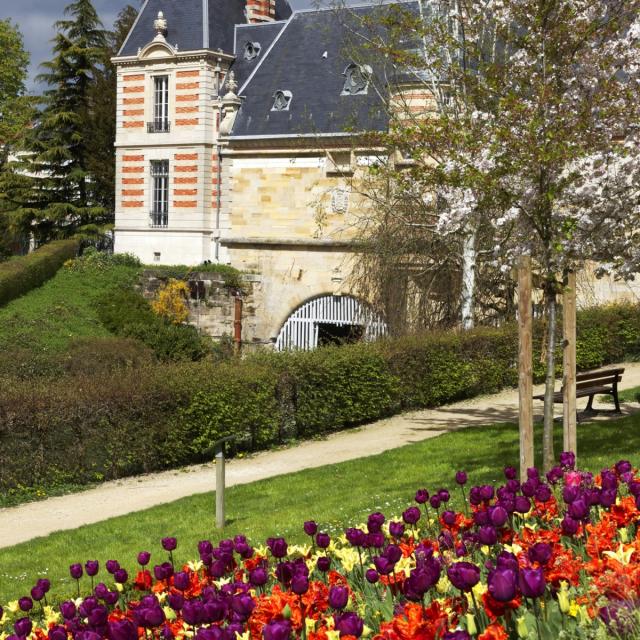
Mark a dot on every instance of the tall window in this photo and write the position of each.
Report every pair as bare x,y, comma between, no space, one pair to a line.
160,193
160,122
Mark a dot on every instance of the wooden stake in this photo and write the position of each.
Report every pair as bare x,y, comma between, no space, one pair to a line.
525,365
570,436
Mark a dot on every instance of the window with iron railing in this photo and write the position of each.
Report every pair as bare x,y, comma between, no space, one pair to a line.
160,123
159,193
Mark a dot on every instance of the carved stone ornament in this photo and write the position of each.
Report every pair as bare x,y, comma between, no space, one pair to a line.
160,25
230,104
232,85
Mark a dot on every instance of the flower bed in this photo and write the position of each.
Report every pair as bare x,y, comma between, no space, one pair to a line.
555,556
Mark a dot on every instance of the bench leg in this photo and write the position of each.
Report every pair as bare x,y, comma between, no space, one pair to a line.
616,401
589,408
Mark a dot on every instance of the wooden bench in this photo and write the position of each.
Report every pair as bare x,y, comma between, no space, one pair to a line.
593,383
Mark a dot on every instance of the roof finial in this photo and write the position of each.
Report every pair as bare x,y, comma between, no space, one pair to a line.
160,24
231,84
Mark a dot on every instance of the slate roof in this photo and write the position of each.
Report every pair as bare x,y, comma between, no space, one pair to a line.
264,34
186,23
308,57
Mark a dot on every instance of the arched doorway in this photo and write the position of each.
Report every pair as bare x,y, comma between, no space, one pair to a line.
329,320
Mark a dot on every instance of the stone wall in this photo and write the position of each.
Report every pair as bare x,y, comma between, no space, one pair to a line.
211,307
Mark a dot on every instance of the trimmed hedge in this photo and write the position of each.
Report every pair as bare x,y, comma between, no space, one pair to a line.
21,274
129,420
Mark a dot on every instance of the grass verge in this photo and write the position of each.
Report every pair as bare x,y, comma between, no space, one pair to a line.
335,495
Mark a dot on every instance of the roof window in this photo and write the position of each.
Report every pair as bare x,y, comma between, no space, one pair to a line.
356,79
251,50
281,100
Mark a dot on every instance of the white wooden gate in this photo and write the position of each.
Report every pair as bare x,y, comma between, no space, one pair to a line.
300,331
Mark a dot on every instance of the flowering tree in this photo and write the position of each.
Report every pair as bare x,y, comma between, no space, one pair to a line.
523,114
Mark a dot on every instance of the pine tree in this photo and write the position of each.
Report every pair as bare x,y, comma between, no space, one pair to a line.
61,200
102,95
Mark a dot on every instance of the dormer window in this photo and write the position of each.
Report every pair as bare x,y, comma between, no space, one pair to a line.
356,79
251,50
281,100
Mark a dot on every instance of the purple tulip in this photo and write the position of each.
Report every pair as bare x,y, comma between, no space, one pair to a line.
578,509
121,576
143,558
181,580
310,528
205,546
540,552
323,540
608,498
277,630
486,492
258,577
528,488
176,600
396,529
112,566
44,584
241,604
449,518
356,537
122,630
531,582
25,603
422,495
444,495
463,575
338,597
375,522
278,547
488,535
57,632
169,543
411,515
323,563
498,516
568,460
98,616
569,526
522,504
507,560
372,576
37,593
555,475
461,477
68,610
192,612
349,624
502,584
434,501
543,493
76,571
383,565
91,567
623,466
23,627
510,473
299,584
458,634
375,540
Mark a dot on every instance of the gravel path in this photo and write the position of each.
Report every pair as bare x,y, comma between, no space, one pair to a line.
115,498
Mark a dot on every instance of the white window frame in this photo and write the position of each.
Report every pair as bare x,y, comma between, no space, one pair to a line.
159,215
160,122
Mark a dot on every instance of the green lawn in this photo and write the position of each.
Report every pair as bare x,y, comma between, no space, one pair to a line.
628,395
336,495
47,319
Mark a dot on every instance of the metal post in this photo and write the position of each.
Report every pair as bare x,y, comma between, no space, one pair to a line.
220,486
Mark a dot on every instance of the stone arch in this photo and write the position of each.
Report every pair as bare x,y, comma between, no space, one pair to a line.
303,329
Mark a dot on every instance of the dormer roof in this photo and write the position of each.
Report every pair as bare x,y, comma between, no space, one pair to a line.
192,25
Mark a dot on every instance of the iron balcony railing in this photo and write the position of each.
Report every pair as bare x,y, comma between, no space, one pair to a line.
159,126
158,219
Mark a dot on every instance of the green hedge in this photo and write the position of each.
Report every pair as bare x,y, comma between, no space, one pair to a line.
21,274
128,420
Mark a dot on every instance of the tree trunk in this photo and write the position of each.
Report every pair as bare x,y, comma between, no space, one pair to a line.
469,256
548,458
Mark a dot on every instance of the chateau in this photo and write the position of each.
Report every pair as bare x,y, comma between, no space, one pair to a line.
233,131
232,127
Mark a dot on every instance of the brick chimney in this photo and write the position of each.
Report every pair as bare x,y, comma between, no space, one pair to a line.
261,11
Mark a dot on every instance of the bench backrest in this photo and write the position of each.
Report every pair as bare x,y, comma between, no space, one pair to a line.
598,378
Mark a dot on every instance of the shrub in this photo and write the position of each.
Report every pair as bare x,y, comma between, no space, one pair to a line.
118,420
230,275
21,274
170,302
126,313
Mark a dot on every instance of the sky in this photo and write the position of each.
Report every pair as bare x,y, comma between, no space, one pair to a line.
36,19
